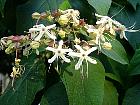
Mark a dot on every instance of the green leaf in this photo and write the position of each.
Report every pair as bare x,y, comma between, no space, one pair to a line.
110,94
113,77
134,3
83,90
120,71
132,96
55,95
32,6
26,86
117,52
101,6
2,3
134,67
65,5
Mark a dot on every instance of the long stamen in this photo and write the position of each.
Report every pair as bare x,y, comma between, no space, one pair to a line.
99,44
82,72
117,12
49,67
13,81
57,65
87,68
133,30
132,26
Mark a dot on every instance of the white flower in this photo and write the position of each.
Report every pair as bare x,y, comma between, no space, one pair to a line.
82,55
59,52
111,24
39,30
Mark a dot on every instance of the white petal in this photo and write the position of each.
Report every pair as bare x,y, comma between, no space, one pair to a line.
39,36
122,34
50,35
131,30
33,30
79,48
102,21
77,66
66,50
73,54
39,26
75,20
51,49
52,59
97,40
91,50
98,15
50,26
64,58
91,60
90,30
60,44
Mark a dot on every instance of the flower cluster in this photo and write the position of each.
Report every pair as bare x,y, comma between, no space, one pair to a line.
67,37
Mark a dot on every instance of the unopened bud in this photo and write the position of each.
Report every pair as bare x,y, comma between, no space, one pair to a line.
34,45
17,61
107,46
36,15
62,33
63,20
77,41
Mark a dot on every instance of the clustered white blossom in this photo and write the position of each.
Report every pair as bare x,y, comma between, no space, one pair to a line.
64,40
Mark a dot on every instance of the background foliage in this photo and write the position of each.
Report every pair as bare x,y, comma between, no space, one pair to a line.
114,81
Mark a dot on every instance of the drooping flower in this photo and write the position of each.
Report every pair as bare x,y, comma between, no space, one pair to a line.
96,34
59,52
113,25
106,22
38,31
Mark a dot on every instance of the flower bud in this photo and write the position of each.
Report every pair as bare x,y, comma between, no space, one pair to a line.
82,22
43,15
34,45
50,18
63,20
36,15
62,33
17,61
16,38
107,46
8,51
77,41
